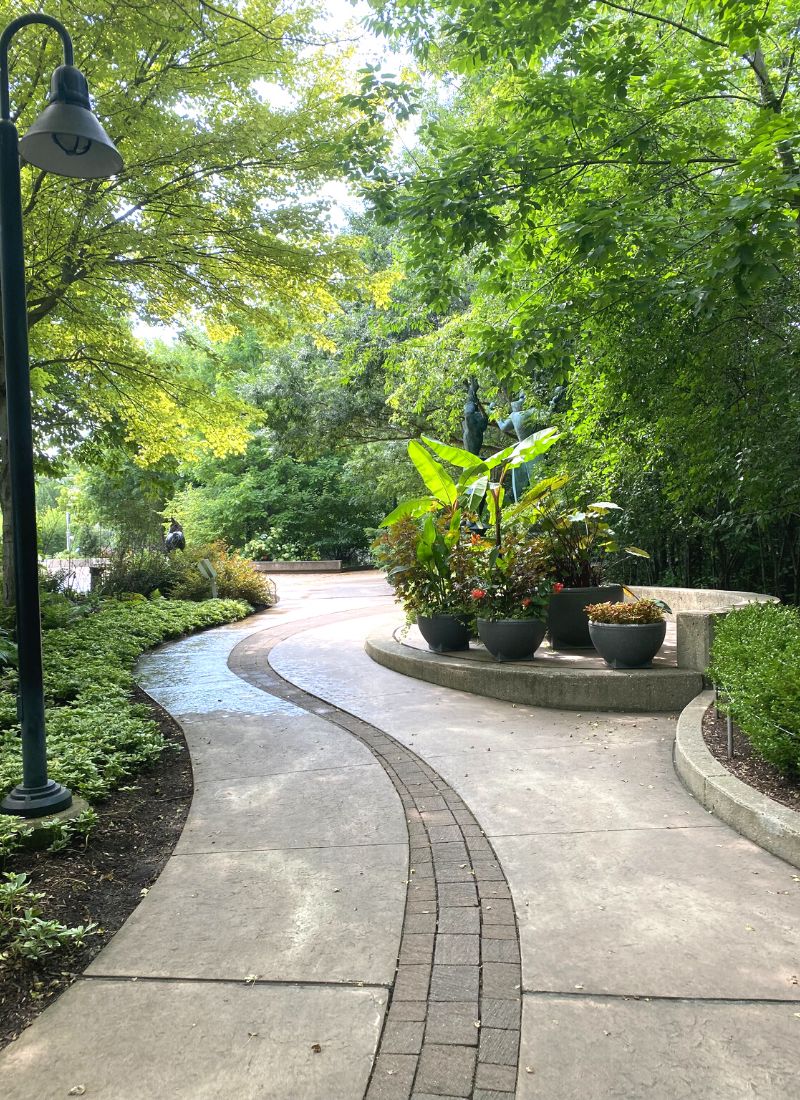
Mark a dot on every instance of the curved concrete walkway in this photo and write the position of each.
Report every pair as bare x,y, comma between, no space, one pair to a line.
660,950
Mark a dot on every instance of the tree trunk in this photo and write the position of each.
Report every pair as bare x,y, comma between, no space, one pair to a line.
5,497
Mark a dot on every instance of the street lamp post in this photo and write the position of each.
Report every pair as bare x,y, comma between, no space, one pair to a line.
68,140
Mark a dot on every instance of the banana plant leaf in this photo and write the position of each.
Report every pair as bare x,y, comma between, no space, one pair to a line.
418,506
436,478
466,460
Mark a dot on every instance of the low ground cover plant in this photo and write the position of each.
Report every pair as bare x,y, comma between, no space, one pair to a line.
24,932
755,662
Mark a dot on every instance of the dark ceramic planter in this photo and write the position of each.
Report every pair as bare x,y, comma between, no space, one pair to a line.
568,623
443,633
512,639
628,645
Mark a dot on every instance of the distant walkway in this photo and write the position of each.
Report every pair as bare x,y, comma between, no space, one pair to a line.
289,950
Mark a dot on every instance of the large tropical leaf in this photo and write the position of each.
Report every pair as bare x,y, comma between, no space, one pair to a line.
533,447
454,455
417,506
472,490
525,451
436,478
636,551
533,496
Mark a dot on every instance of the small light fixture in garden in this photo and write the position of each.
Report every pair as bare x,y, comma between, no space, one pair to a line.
68,140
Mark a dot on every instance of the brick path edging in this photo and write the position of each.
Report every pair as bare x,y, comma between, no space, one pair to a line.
452,1027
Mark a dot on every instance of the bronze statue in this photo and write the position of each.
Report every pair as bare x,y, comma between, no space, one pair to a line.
520,423
175,540
476,420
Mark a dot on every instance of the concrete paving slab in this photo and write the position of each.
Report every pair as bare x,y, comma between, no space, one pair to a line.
295,810
197,1041
226,746
654,913
308,914
595,1049
626,788
330,662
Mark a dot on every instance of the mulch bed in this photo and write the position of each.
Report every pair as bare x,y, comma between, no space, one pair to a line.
746,765
102,882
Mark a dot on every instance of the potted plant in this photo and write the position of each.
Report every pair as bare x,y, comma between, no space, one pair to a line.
511,603
428,568
573,545
628,635
424,547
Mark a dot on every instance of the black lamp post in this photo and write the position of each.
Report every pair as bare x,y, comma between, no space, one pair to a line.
66,139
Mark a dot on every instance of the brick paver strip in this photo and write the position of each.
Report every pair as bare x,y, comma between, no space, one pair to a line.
452,1026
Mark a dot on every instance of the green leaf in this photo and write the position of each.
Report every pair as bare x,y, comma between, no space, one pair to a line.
532,447
417,506
455,455
636,551
432,473
473,492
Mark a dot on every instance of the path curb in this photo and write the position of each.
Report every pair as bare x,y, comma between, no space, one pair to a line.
756,816
639,690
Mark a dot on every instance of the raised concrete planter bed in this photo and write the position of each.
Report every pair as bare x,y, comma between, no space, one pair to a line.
754,815
331,566
544,683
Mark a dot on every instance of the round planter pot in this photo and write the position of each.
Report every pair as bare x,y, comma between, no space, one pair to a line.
443,633
568,623
512,639
628,645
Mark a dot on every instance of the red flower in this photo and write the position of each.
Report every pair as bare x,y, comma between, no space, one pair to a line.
558,587
527,601
475,539
477,593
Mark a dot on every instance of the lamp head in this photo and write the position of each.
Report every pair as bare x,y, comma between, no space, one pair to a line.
67,138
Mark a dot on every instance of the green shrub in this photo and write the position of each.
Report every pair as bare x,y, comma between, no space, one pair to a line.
138,571
237,578
95,735
755,662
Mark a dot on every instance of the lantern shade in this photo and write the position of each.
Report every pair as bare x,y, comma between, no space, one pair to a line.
67,137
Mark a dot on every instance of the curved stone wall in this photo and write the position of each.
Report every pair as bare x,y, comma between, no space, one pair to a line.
696,611
700,599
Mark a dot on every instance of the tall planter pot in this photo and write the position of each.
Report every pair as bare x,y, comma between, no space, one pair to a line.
568,623
443,633
628,645
512,639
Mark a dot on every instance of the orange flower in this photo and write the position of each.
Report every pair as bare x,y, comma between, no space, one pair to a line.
527,601
477,593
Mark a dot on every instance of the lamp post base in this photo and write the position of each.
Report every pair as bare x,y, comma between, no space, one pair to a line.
36,801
